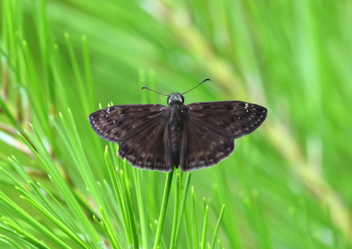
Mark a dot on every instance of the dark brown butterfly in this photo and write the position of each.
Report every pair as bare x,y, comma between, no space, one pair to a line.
193,136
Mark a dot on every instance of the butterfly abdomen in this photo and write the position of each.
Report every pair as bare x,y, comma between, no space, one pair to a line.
175,126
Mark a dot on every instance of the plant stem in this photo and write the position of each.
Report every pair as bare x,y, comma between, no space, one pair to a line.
176,212
163,209
182,207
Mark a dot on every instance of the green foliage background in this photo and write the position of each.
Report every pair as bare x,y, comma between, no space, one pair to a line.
287,185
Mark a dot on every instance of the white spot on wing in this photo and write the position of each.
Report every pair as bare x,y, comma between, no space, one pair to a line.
219,154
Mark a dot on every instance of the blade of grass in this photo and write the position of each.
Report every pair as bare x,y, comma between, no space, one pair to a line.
129,205
87,70
41,153
110,231
81,89
194,221
205,224
31,221
10,242
217,227
116,182
188,229
141,206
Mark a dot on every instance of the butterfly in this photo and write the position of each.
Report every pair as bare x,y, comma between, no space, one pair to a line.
193,136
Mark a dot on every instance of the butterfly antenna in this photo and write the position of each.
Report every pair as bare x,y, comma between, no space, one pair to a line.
196,86
153,90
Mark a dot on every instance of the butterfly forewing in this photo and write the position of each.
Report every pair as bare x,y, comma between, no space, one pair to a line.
228,118
122,122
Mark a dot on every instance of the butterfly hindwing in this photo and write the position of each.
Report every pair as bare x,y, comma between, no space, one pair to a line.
228,118
202,147
150,149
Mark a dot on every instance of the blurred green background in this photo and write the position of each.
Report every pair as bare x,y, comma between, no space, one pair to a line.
287,185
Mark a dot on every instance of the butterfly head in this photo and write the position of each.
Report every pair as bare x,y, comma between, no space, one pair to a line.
175,98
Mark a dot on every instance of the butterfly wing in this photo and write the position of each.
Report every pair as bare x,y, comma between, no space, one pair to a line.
201,147
150,149
211,128
228,118
141,132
